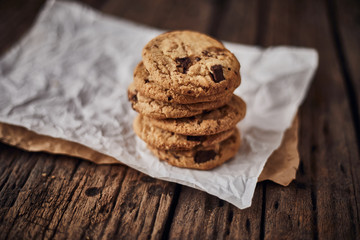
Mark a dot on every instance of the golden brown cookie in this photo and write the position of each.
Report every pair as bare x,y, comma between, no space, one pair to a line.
207,123
203,158
161,110
191,63
162,139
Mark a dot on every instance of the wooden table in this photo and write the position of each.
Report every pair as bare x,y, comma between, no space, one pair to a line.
52,196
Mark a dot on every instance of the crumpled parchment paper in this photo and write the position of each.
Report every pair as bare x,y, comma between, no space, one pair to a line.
67,79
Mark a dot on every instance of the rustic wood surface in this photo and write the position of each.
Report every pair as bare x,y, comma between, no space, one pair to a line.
52,196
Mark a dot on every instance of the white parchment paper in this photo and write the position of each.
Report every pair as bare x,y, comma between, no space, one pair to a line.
68,77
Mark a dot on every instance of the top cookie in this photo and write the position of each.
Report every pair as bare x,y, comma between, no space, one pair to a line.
191,63
147,87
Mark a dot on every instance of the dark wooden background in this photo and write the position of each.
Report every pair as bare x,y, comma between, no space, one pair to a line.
52,196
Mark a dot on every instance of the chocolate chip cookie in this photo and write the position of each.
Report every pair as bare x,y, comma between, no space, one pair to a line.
203,158
206,123
147,87
161,110
191,63
165,140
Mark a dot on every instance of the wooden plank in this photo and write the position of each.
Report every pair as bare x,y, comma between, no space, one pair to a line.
345,17
164,14
328,146
200,215
117,205
140,211
15,19
240,23
19,187
51,196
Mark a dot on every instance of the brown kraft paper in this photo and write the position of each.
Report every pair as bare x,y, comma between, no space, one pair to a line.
280,167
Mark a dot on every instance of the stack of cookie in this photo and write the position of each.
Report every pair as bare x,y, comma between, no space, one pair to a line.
183,90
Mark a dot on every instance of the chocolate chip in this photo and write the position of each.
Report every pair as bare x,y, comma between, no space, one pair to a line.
146,80
175,156
170,98
184,63
189,92
205,111
197,58
206,53
204,156
229,69
133,97
195,138
212,76
217,73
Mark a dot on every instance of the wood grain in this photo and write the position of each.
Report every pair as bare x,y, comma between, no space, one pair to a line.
15,19
328,143
164,14
53,196
240,23
45,196
344,17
